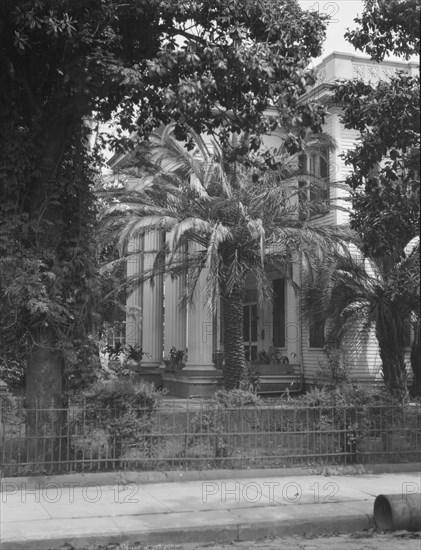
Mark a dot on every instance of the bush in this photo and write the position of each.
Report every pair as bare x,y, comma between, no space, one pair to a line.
122,394
8,402
336,371
351,409
235,398
83,365
347,395
120,414
12,370
226,411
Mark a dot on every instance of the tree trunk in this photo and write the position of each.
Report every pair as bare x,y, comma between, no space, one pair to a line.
44,372
393,359
45,368
415,361
44,400
44,376
235,362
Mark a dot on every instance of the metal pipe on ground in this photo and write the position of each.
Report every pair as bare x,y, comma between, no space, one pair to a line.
398,512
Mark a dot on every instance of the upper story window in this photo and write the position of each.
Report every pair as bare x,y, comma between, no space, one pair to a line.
313,194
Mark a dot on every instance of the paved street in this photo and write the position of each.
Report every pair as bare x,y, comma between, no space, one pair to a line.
367,540
360,541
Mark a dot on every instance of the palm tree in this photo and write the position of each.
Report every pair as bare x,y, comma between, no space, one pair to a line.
355,293
241,220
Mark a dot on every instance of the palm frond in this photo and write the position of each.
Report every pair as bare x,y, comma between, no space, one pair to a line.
197,197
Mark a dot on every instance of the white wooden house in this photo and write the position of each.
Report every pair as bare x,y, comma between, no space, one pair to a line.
157,323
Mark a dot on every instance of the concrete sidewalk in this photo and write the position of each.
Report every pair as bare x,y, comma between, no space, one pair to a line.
44,514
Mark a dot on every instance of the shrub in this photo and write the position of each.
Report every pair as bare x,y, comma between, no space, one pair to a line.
83,365
250,379
351,410
336,371
12,370
8,402
235,398
226,411
122,412
347,395
121,394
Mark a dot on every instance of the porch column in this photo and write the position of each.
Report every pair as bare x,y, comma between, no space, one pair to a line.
135,298
175,315
152,341
200,327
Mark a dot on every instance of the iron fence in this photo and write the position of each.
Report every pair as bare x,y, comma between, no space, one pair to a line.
200,436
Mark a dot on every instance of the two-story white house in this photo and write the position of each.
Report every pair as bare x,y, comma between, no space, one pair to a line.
157,322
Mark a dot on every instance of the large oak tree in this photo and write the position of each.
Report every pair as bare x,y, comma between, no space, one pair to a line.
213,65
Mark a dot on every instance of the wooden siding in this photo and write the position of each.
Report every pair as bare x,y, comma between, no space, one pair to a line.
361,358
312,358
347,140
361,355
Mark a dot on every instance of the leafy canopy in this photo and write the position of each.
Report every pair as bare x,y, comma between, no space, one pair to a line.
207,64
385,161
211,64
387,27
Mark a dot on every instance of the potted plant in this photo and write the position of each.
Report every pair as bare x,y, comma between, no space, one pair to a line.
175,361
124,358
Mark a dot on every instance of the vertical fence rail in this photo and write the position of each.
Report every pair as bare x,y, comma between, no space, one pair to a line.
202,435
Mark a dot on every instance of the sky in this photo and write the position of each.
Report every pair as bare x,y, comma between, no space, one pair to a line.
342,13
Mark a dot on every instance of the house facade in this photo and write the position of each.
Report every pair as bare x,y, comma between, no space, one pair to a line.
284,352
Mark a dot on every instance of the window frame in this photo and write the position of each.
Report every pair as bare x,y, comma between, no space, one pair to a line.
313,165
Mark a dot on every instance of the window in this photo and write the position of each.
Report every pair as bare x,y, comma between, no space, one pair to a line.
313,197
316,334
279,313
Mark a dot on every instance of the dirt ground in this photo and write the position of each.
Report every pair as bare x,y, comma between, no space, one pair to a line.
366,540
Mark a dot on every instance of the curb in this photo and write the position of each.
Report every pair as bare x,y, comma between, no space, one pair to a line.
133,477
248,529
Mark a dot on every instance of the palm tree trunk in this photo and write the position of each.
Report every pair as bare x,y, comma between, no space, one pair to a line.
393,359
415,361
235,362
